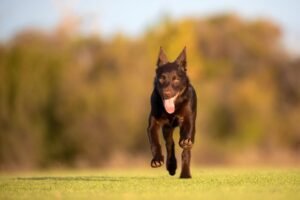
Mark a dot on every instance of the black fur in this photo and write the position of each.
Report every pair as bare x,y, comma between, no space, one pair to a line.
171,80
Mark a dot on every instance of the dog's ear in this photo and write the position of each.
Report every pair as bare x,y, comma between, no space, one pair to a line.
181,59
162,58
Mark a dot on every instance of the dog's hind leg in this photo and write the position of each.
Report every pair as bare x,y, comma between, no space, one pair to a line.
186,159
170,146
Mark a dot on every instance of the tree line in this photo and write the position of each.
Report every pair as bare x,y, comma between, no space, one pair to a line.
78,100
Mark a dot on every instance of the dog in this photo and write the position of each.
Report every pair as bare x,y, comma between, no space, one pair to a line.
173,103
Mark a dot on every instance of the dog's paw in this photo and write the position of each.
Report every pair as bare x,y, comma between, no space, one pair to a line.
185,175
186,143
157,161
172,166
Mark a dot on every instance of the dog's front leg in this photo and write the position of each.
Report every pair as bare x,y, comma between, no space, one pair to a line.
153,128
187,134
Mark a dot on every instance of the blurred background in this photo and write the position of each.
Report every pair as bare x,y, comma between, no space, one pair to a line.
76,77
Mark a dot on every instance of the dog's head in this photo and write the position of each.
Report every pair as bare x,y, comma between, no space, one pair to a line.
171,79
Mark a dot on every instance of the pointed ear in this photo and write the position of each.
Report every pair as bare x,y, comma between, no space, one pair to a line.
162,58
181,59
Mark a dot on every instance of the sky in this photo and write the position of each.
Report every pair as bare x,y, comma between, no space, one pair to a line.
132,17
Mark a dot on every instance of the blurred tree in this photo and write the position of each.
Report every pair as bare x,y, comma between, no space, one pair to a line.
77,101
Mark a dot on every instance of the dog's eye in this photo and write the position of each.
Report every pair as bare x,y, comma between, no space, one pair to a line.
176,79
162,78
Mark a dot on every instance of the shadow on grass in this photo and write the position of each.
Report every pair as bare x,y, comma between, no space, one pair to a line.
83,178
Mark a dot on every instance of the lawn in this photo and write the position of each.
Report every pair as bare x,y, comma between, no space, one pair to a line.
207,183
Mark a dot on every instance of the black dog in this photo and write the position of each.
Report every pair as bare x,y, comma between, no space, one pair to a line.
173,103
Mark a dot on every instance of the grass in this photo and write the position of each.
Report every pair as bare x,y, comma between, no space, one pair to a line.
206,184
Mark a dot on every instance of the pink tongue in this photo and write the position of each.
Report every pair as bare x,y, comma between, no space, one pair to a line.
169,105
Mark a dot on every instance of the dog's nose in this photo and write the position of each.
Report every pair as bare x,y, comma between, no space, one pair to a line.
167,93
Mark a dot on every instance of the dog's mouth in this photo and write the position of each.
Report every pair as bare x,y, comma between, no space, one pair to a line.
169,104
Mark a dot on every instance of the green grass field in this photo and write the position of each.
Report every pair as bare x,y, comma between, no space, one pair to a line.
207,183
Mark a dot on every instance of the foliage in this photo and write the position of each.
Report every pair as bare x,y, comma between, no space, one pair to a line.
76,101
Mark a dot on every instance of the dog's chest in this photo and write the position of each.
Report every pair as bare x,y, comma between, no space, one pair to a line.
174,120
